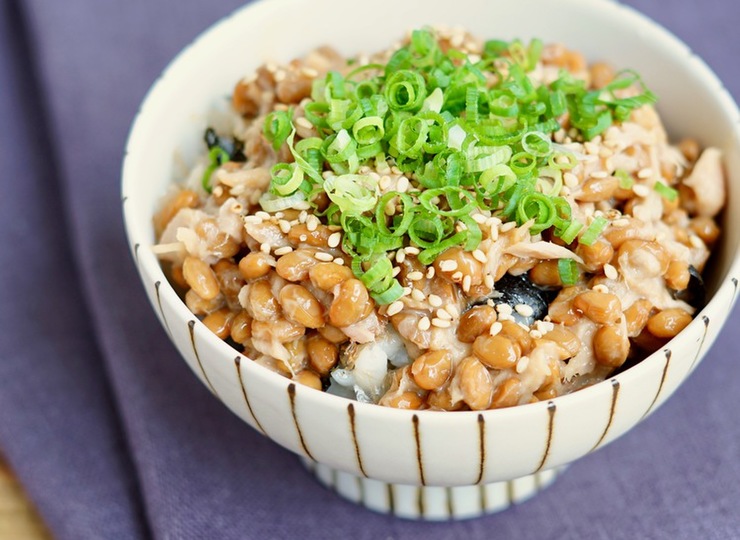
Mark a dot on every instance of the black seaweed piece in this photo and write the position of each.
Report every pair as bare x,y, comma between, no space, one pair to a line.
515,290
232,146
696,293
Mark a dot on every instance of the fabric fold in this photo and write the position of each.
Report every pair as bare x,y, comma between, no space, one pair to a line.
58,425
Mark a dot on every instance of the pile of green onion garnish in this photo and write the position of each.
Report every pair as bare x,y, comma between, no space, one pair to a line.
469,134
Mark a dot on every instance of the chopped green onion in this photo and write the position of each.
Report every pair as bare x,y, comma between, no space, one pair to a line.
390,295
568,271
667,192
570,232
354,194
537,207
465,141
537,144
277,128
593,231
217,156
286,178
625,180
368,130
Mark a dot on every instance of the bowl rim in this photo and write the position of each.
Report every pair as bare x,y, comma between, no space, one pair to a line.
148,265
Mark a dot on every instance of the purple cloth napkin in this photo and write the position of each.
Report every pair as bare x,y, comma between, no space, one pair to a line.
115,438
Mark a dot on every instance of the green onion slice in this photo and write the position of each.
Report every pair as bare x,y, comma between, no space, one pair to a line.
593,231
568,271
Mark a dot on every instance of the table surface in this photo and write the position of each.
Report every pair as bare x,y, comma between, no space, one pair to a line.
18,518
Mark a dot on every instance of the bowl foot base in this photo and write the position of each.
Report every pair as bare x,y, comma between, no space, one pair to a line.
431,502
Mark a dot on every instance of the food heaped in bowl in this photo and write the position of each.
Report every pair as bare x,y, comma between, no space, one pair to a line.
446,224
421,463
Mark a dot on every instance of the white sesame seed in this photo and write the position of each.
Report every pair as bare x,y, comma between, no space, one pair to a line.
524,310
647,172
334,239
400,256
621,222
605,152
265,248
488,281
430,272
312,223
591,148
441,323
696,241
610,272
324,257
394,308
495,328
339,261
480,219
284,226
457,276
600,288
434,300
303,122
493,222
415,276
424,324
504,309
403,184
452,310
466,282
599,174
407,291
262,215
506,227
410,250
390,208
448,265
283,251
384,183
252,219
442,314
480,256
640,190
544,327
522,364
302,216
570,179
396,270
417,295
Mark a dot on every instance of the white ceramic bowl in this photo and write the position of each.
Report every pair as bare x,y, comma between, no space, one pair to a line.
425,464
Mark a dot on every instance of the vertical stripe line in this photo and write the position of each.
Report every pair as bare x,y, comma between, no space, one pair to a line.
191,329
667,353
157,285
550,422
705,320
482,448
615,393
353,428
417,438
291,397
237,363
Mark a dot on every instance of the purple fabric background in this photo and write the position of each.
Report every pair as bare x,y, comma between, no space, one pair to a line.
107,428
